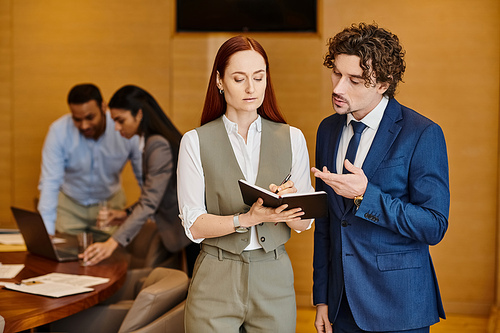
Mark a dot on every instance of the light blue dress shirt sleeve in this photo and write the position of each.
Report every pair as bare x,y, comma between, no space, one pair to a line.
52,174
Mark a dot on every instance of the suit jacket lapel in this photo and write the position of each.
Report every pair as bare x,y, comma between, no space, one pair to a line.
386,134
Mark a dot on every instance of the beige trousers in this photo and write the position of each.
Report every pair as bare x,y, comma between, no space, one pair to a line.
73,217
251,292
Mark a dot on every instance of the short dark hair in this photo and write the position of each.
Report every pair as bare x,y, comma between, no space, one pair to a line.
378,49
82,93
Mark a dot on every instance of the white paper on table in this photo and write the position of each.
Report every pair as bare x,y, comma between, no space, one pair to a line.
9,271
47,289
74,280
57,284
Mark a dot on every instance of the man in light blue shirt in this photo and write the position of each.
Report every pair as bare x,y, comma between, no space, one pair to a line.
82,160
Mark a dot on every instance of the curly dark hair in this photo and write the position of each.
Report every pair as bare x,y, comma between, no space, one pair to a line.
378,50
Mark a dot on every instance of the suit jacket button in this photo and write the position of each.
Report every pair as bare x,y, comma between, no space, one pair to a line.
263,239
344,223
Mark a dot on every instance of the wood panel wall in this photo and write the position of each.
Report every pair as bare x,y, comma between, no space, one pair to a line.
452,77
6,163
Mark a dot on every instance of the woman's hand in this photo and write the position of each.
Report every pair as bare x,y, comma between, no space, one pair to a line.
210,225
97,252
258,214
288,187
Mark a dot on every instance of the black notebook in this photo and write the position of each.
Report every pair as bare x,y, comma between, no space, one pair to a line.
314,204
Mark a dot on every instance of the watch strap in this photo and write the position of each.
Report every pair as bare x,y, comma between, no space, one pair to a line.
237,226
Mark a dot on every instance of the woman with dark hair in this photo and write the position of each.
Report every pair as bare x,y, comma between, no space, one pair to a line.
136,112
243,278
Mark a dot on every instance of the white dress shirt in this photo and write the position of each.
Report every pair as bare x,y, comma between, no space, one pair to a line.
372,122
190,176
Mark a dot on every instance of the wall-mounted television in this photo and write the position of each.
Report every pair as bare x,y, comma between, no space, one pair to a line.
246,15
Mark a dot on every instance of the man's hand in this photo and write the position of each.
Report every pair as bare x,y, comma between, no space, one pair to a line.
348,185
116,217
322,323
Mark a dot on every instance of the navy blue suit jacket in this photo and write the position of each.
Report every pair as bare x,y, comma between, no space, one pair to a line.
380,252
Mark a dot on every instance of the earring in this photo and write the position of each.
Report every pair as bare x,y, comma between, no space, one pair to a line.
221,91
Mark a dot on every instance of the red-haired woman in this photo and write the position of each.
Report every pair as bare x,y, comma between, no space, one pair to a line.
243,278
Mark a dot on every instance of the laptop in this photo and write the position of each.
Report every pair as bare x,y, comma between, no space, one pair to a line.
37,238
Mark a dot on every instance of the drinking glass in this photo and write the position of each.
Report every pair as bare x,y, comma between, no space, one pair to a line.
85,239
102,216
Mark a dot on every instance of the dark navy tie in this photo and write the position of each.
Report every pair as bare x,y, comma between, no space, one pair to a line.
350,155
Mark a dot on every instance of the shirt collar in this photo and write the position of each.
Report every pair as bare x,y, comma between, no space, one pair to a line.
374,117
142,142
232,127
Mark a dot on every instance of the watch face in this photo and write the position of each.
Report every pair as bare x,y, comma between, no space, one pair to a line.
241,230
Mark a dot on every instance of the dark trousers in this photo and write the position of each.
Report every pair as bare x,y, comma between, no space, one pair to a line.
345,322
192,251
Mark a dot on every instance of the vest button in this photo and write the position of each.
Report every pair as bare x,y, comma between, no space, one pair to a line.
344,223
263,239
261,224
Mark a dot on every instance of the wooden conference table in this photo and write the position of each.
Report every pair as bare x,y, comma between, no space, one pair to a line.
23,311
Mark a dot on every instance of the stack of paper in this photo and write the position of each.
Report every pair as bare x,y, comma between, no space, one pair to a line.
57,284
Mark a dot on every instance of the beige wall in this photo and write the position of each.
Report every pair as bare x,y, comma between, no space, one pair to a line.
452,77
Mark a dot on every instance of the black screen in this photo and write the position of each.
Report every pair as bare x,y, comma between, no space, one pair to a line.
246,15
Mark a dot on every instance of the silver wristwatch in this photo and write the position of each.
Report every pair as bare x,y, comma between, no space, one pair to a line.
237,227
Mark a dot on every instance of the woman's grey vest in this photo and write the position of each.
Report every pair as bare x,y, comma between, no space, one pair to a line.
221,170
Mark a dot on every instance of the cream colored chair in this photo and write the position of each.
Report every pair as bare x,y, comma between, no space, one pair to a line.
2,324
158,307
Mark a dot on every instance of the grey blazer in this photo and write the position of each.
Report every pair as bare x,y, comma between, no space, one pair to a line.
158,199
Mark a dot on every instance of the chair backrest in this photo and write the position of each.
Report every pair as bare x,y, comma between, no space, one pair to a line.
170,322
163,290
2,324
146,249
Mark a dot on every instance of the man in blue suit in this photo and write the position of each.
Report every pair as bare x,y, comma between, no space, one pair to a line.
372,267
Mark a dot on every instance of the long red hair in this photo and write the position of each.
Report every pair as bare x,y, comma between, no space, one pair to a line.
215,103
